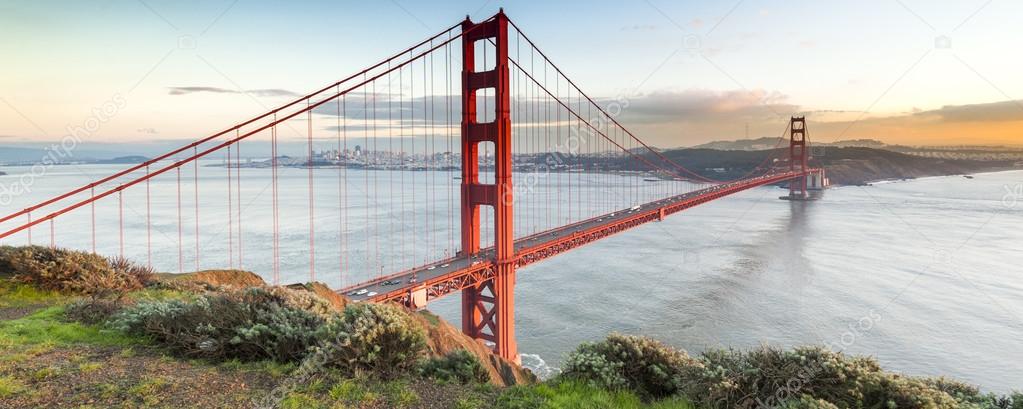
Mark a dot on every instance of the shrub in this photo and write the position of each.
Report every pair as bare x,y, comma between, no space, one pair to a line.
457,366
648,367
377,338
807,402
297,299
248,325
72,271
144,275
92,311
770,376
6,268
808,377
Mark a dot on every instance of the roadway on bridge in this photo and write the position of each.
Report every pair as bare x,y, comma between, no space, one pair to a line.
407,280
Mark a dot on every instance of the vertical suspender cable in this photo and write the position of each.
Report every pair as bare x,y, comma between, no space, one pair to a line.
450,177
273,176
149,224
120,220
230,214
312,230
376,191
390,162
92,205
412,157
365,173
341,197
181,241
196,177
401,156
238,192
431,238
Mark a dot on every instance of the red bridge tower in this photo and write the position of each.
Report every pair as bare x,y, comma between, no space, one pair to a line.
798,156
488,309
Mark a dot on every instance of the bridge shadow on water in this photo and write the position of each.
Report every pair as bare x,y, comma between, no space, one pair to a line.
747,291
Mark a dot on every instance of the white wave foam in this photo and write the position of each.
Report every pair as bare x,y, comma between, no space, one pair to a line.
538,366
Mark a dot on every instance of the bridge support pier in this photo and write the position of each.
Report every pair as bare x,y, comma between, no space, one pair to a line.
488,309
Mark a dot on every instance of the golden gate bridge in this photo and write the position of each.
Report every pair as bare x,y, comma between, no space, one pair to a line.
449,165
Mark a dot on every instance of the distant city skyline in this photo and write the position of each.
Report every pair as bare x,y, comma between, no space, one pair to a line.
904,72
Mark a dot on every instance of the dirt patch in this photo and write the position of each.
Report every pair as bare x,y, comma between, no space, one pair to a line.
111,377
13,313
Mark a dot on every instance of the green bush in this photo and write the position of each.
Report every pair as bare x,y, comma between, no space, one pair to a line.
970,396
771,377
297,299
649,368
377,338
72,271
459,366
248,325
92,311
808,377
806,402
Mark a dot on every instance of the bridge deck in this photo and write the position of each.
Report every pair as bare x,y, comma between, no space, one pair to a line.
451,275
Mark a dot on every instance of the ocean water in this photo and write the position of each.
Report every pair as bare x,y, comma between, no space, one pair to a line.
925,275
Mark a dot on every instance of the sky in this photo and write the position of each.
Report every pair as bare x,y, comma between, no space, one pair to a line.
901,71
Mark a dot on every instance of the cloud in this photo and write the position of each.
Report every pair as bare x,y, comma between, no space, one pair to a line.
271,92
994,123
697,105
1002,111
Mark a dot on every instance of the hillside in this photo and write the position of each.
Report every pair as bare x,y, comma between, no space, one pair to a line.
845,165
766,143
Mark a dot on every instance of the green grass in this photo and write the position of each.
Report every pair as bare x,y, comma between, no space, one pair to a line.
298,400
430,317
578,395
47,326
13,295
86,367
398,394
10,386
273,368
148,390
352,391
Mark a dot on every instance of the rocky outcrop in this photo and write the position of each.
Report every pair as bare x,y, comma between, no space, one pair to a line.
442,338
